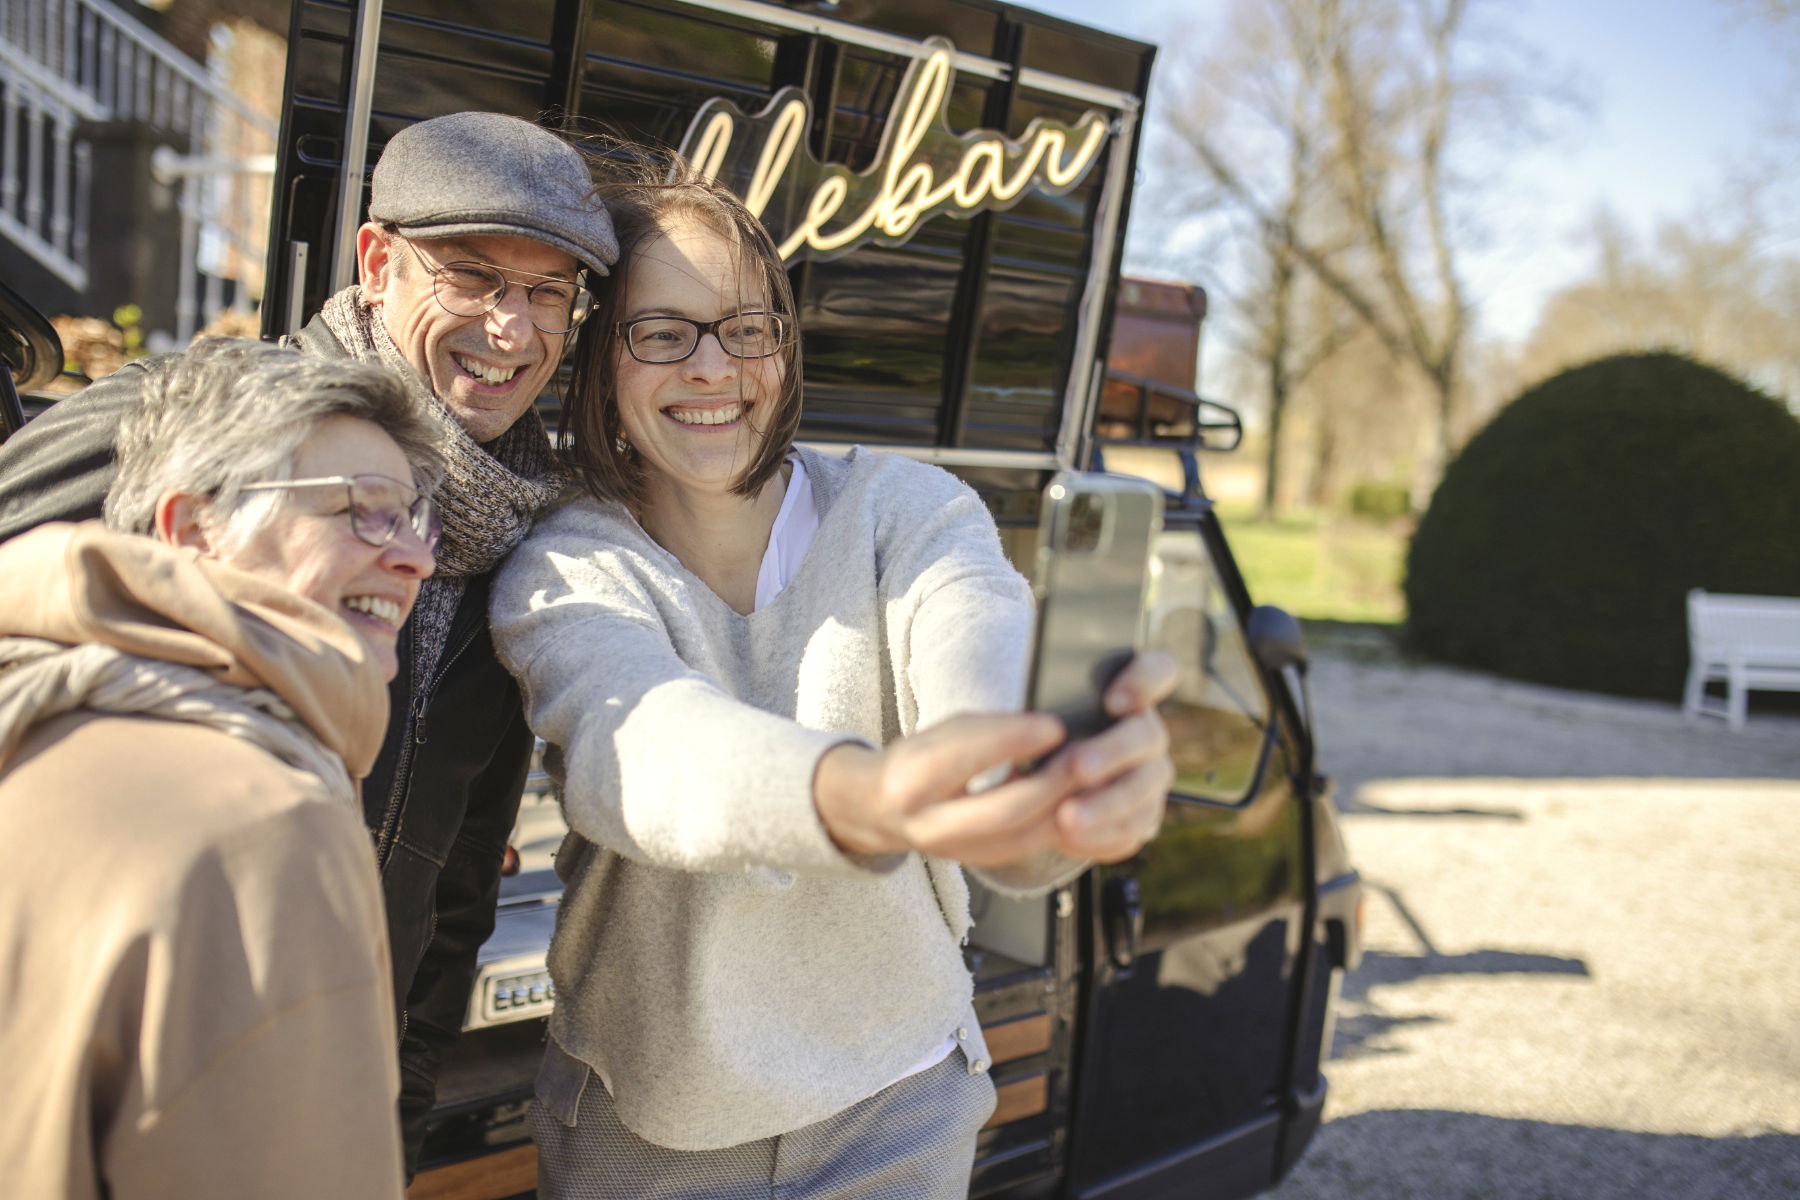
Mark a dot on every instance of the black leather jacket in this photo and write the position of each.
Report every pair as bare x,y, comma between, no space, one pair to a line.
444,793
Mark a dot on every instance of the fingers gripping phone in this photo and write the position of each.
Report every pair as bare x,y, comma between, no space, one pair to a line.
1096,534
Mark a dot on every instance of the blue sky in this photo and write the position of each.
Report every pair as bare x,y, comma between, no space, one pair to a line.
1677,93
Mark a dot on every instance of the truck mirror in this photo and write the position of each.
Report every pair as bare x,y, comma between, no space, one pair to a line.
1275,638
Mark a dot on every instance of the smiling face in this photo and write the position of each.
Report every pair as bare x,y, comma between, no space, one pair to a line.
486,369
308,547
696,425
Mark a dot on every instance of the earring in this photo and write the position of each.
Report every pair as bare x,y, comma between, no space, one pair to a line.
621,446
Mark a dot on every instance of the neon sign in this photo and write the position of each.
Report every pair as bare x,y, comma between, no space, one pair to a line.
922,168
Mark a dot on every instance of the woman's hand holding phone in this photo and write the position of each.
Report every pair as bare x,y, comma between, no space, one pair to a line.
1097,538
954,791
912,793
1126,768
1098,798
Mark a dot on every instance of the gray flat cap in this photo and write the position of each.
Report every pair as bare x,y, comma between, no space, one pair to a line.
478,172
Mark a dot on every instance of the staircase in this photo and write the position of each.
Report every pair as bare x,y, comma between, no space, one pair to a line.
67,64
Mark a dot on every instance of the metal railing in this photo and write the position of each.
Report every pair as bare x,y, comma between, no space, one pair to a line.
67,62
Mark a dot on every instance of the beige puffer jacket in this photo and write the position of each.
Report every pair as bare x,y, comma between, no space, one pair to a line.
194,990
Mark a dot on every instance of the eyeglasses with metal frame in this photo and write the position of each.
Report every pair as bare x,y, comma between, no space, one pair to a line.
473,289
377,507
661,339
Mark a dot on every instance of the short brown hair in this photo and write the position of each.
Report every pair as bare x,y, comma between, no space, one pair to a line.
643,189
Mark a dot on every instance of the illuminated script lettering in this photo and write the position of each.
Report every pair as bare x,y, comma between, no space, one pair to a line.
922,168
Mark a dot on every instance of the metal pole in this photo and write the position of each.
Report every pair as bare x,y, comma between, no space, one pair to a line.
296,301
1081,394
356,142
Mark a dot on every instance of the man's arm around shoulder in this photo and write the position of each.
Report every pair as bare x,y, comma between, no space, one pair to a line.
60,466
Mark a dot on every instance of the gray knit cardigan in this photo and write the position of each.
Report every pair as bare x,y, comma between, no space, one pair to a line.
718,960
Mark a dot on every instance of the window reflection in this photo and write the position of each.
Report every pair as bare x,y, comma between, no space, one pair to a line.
1219,711
1212,867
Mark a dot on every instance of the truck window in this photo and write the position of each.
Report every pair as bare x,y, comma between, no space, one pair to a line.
1219,714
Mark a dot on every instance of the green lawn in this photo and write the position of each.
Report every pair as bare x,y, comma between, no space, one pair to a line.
1321,566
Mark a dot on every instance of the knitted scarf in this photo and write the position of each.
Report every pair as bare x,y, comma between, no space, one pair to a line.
488,496
42,679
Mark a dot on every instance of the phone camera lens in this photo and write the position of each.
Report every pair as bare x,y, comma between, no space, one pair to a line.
1086,515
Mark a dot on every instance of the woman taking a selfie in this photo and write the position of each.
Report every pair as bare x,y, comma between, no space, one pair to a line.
769,677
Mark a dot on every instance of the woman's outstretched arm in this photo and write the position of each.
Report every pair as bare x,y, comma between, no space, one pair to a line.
1097,799
965,616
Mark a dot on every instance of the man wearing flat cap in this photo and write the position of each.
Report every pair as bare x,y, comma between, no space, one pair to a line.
483,241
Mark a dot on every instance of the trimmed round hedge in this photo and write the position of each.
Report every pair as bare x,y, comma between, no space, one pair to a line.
1562,541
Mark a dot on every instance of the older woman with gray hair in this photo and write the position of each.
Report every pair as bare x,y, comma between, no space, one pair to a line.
198,998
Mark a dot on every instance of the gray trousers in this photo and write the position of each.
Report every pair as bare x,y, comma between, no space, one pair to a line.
914,1140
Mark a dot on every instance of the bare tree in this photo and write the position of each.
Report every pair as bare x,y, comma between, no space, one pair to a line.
1258,94
1704,286
1774,162
1775,11
1387,94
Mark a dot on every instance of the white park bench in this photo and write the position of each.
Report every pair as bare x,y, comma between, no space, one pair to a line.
1752,643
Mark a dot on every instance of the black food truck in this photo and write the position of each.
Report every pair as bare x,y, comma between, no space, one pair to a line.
949,181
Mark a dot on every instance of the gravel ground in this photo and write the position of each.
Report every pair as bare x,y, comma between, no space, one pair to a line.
1582,951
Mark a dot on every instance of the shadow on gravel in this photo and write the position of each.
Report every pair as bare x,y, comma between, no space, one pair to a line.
1436,1155
1357,1034
1355,805
1381,969
1360,1035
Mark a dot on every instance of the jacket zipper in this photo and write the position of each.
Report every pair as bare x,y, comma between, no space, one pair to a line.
390,819
415,735
424,698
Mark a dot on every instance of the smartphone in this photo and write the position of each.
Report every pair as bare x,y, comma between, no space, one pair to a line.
1096,535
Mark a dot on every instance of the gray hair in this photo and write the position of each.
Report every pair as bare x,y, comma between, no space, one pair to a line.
230,412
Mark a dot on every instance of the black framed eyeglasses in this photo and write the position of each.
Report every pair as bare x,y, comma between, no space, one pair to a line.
377,506
672,339
474,289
